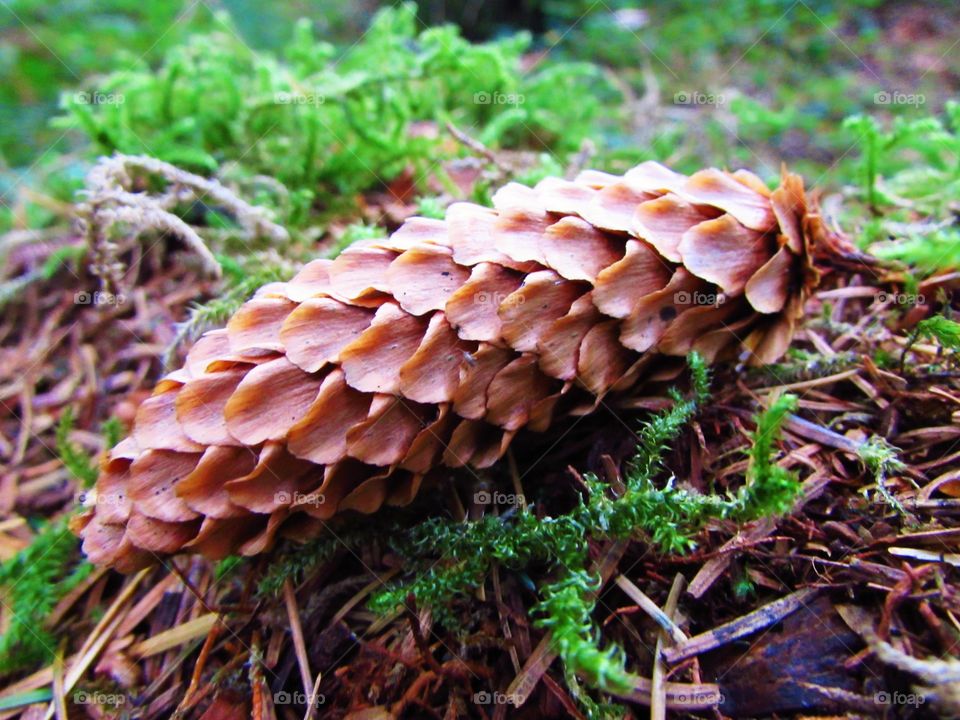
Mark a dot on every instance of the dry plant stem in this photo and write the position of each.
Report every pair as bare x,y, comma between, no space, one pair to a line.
257,682
132,210
413,617
504,618
650,607
358,597
677,695
658,689
59,692
111,200
87,657
474,145
762,617
177,635
313,703
198,668
941,678
296,630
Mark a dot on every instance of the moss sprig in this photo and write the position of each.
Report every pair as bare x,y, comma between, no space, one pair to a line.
881,460
34,580
669,517
31,584
770,489
77,462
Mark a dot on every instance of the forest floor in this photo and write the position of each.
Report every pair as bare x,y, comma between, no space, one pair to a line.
847,605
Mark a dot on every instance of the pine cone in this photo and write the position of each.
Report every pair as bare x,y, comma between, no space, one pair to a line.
346,387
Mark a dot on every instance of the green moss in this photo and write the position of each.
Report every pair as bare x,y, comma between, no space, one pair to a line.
668,516
770,489
39,576
294,561
881,460
800,366
944,331
325,123
31,584
77,462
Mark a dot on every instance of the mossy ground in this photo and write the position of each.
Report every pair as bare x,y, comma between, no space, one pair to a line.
831,470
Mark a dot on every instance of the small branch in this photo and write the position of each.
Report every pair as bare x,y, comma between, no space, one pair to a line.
652,609
748,624
299,645
473,144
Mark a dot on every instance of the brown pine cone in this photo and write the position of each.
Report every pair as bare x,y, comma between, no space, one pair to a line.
343,388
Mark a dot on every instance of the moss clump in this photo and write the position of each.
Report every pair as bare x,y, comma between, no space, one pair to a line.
323,123
667,516
32,583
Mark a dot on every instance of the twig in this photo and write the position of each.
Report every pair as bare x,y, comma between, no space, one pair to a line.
59,692
748,624
652,609
198,670
299,645
474,144
658,689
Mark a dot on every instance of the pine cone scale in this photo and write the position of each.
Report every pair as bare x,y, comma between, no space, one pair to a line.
724,252
269,401
641,272
768,288
342,323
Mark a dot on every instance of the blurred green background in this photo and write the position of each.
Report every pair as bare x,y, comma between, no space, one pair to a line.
331,99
